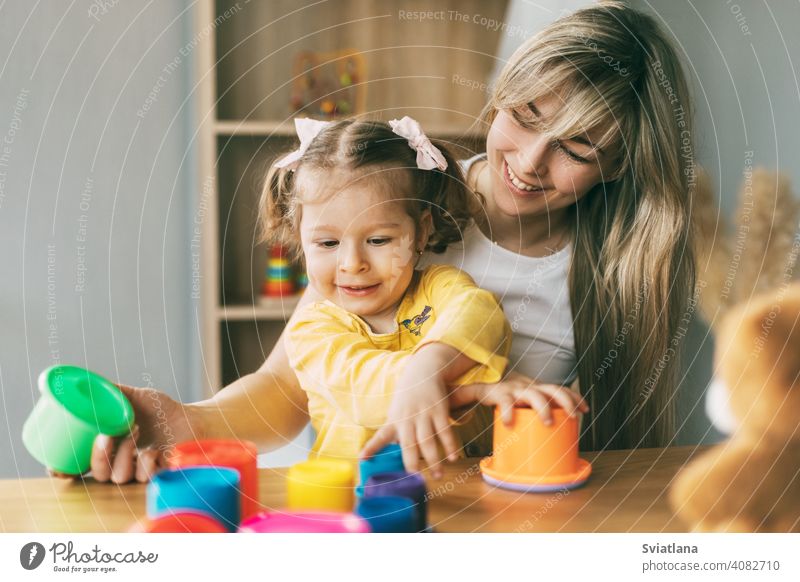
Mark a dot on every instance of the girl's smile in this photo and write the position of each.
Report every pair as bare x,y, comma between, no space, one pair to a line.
360,249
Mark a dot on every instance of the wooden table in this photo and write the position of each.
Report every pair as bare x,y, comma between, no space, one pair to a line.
626,493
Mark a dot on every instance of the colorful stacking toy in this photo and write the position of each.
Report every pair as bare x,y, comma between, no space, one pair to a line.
388,460
533,457
401,484
75,407
239,455
279,281
390,514
180,522
305,522
210,490
320,485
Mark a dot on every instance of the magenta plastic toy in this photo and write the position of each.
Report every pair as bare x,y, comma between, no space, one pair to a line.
305,522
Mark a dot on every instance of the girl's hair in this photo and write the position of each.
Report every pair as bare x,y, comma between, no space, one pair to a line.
632,271
353,150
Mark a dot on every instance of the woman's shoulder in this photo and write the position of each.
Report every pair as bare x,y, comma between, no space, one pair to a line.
470,167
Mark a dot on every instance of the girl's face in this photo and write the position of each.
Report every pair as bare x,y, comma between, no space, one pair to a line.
360,249
533,175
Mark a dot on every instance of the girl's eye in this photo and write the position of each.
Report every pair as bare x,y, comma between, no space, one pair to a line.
380,241
328,244
558,146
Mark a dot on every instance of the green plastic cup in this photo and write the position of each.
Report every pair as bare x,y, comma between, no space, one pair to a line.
76,406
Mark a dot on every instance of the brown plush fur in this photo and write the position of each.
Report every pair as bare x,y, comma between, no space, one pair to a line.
752,482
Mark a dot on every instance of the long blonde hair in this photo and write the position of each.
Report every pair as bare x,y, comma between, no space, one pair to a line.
632,274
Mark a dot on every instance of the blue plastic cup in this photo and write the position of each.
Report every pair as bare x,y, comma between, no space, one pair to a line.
401,484
389,514
212,490
388,460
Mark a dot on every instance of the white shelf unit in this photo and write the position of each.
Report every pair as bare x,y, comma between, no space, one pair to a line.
244,54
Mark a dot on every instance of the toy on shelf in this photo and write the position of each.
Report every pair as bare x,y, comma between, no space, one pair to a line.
76,406
329,84
279,281
530,456
302,281
239,455
305,522
210,490
320,485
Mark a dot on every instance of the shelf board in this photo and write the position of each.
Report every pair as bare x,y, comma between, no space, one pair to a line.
231,127
267,309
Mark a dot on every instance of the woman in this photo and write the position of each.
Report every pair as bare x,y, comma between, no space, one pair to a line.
587,180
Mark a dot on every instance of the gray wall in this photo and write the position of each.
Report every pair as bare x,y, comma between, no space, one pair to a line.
96,200
741,57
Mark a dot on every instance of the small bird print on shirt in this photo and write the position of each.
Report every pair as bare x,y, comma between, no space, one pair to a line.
413,325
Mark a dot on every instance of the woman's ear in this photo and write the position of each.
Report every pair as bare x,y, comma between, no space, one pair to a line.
425,229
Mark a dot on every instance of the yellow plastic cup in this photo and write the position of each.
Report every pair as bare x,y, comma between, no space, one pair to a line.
320,484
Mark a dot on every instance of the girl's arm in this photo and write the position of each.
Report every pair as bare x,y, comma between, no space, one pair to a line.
468,342
267,407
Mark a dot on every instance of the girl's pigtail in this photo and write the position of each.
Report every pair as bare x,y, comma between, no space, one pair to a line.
276,209
452,204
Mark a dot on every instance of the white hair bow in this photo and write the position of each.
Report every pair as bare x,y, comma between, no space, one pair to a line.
307,130
428,155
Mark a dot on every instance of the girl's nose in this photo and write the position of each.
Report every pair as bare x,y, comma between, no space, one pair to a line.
534,155
351,259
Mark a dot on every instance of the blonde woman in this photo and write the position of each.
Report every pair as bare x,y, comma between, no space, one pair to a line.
584,235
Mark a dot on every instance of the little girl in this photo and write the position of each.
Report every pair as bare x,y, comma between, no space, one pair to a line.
362,201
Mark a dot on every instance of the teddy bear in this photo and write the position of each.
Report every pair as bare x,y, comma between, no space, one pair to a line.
750,482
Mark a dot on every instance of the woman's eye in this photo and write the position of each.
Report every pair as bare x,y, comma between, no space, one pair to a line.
328,244
557,145
379,241
523,115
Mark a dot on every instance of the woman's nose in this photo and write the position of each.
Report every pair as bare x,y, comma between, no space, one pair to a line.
534,155
351,259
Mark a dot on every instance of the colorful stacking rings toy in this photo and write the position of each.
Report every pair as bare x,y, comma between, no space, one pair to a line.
75,407
401,484
389,514
210,490
320,484
533,457
388,460
305,522
239,455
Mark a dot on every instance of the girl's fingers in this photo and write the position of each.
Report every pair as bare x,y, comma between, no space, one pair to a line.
147,465
538,402
446,436
408,444
123,466
102,455
505,403
385,435
426,437
564,397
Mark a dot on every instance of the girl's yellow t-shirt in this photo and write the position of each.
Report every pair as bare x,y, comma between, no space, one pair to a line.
349,372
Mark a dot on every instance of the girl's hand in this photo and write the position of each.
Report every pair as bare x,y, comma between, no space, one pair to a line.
161,422
515,389
419,416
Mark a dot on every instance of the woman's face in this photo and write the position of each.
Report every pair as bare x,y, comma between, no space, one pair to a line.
534,175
